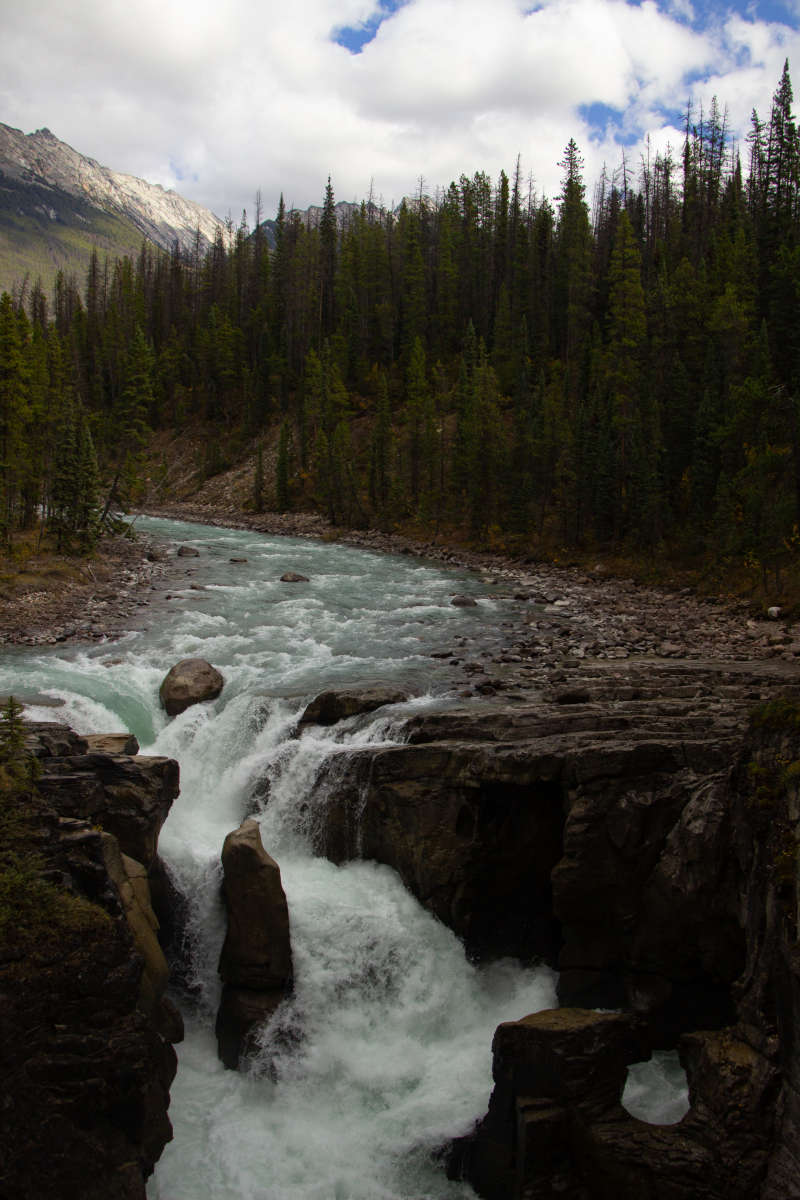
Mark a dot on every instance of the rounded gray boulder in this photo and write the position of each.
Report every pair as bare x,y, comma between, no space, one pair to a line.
189,682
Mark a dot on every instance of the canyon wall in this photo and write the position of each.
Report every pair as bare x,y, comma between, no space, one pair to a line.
86,1060
643,839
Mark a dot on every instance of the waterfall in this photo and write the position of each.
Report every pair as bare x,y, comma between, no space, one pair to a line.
382,1053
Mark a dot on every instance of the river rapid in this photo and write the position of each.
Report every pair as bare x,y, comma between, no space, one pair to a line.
383,1051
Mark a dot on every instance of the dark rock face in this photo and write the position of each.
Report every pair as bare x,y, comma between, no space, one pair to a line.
241,1012
464,602
191,681
293,577
562,834
187,552
128,796
556,1128
256,959
337,705
84,1070
477,852
658,835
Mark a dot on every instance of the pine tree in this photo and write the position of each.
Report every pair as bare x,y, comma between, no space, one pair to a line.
705,467
627,329
88,487
417,394
13,410
381,451
282,488
258,479
328,235
130,416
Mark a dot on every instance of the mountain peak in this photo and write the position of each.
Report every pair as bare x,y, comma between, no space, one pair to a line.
161,214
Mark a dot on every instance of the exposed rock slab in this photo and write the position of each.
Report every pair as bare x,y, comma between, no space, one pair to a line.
112,743
128,796
340,703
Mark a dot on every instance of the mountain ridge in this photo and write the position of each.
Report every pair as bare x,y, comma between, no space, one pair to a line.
160,214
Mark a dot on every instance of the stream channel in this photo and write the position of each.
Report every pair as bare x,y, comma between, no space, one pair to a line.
383,1051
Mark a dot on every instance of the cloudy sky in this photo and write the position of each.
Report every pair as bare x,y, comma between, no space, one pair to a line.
219,100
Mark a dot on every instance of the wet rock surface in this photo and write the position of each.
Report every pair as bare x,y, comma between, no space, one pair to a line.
190,681
85,1070
113,743
128,796
340,703
555,1125
256,960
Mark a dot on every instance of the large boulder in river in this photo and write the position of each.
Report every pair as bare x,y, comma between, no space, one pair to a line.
187,552
340,703
257,952
256,959
189,682
464,602
293,577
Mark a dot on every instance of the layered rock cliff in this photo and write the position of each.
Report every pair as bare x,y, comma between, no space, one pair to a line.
85,1030
635,830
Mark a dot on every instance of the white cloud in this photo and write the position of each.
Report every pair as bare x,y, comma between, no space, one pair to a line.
217,102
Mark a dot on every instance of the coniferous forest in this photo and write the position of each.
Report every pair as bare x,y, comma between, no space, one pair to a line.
616,370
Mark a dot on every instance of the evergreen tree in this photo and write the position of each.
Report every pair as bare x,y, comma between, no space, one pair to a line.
417,394
282,488
381,451
258,479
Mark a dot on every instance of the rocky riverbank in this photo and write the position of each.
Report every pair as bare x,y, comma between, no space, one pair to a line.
92,602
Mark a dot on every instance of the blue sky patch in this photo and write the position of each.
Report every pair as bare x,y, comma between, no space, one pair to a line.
355,37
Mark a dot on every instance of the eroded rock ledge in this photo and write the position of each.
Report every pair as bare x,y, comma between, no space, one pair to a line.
85,1030
644,839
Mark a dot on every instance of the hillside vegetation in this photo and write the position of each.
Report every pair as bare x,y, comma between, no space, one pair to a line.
614,376
44,230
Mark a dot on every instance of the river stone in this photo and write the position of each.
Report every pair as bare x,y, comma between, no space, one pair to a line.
293,577
256,952
188,552
464,602
189,682
338,705
112,743
238,560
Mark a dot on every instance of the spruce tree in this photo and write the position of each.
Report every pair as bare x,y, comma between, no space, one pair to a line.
417,396
258,479
282,488
381,451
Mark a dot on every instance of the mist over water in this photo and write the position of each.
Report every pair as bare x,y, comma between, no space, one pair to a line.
383,1051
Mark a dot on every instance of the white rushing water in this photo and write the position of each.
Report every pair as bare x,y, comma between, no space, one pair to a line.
383,1051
